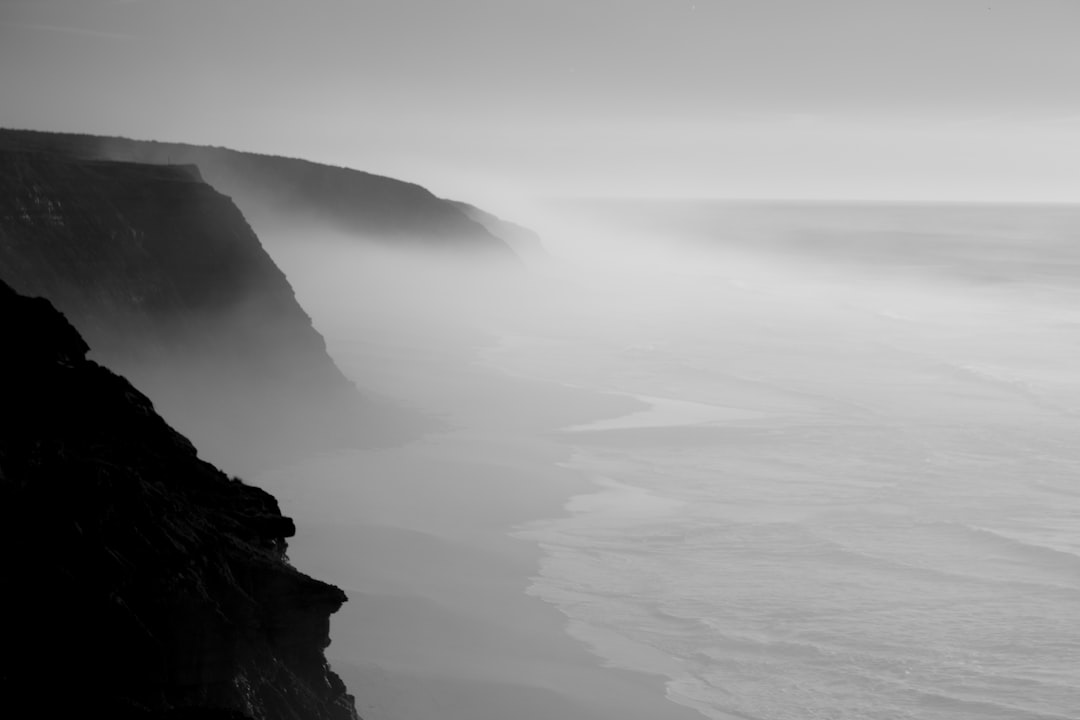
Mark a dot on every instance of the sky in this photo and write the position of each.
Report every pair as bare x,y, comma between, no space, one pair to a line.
492,100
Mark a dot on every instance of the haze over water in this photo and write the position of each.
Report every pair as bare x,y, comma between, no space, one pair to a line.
856,493
847,487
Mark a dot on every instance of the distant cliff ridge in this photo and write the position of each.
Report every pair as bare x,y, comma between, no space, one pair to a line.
140,581
152,244
273,190
170,285
523,241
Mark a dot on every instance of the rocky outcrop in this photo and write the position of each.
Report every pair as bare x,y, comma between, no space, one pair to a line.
169,284
139,580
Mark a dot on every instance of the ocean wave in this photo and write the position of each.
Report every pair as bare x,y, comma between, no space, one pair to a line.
1055,489
1050,556
978,708
797,691
872,651
1006,380
701,695
723,644
965,576
739,659
804,544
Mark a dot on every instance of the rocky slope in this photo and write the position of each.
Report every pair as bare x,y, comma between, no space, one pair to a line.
140,581
170,285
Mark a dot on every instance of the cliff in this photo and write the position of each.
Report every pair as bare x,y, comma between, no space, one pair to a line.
523,241
278,192
170,285
139,581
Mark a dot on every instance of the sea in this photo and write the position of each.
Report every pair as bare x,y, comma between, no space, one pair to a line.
852,490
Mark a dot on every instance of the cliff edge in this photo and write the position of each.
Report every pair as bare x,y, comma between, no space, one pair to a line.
291,198
170,286
140,581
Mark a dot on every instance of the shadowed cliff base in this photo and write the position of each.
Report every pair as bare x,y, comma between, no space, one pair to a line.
149,581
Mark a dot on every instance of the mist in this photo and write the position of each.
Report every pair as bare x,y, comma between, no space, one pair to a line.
617,358
871,402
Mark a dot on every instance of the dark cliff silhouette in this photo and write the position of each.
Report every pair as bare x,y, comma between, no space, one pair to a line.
273,191
170,285
140,581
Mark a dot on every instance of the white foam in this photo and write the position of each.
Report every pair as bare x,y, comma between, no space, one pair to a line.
620,500
667,412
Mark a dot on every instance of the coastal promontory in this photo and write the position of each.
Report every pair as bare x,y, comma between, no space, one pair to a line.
140,581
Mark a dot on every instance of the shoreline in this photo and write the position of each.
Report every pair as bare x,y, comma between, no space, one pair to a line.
668,412
423,540
618,501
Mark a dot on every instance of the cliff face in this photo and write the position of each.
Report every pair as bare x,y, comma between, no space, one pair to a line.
140,581
275,191
154,245
523,241
170,285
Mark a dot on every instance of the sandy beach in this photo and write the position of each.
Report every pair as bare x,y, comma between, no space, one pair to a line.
425,540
